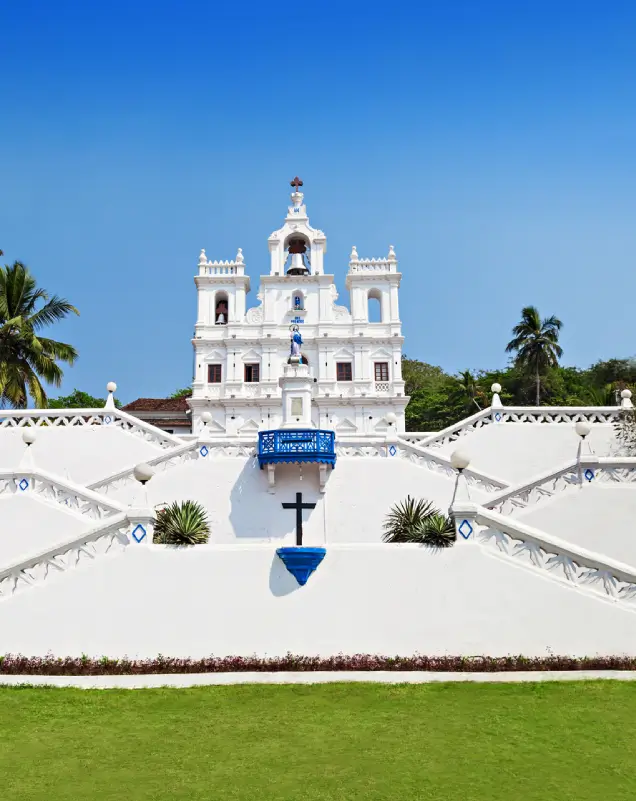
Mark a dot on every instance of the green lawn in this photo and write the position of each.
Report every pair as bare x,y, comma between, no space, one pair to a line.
356,741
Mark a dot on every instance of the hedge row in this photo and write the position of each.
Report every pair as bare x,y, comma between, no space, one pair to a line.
16,664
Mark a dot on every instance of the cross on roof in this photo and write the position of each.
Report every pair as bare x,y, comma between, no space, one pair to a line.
296,182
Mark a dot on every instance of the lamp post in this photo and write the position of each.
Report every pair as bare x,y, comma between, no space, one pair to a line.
582,428
28,437
459,461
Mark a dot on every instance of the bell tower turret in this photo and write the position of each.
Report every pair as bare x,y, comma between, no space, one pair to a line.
297,248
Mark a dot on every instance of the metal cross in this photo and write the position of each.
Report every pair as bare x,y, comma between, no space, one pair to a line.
296,182
299,506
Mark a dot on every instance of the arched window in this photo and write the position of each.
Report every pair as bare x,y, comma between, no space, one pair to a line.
220,308
374,306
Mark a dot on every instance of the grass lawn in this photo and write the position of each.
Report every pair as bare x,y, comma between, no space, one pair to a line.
459,742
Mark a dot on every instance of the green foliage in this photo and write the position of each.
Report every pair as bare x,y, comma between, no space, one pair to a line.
418,522
181,524
536,343
26,357
78,400
186,392
439,400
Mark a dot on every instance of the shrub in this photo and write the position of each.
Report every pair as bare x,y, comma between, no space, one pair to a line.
181,524
419,522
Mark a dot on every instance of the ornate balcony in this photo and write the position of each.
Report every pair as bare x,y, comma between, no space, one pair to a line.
292,445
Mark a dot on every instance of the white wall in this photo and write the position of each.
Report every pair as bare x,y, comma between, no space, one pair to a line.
597,517
360,493
29,526
88,453
517,452
370,599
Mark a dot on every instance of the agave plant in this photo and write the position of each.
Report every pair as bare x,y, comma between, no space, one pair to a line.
420,522
181,524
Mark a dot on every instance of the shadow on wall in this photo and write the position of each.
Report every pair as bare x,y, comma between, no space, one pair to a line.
255,514
281,581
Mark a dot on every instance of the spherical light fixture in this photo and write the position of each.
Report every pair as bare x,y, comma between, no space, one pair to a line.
496,388
206,417
111,386
582,428
28,436
626,393
143,472
459,460
391,418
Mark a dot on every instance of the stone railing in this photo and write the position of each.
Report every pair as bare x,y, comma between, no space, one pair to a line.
201,448
53,490
114,418
552,557
519,414
572,475
431,461
112,536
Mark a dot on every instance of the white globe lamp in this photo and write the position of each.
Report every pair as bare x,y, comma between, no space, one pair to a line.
496,388
582,428
28,436
111,386
459,460
143,473
206,417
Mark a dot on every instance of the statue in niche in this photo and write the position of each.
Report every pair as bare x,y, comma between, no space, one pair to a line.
298,304
296,343
221,313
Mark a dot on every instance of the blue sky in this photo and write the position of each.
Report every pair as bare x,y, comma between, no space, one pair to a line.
491,142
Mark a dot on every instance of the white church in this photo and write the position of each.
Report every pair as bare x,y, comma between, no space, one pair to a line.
354,378
297,450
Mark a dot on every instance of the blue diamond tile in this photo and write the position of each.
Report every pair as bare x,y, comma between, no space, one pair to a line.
392,450
498,417
108,419
465,529
139,532
24,484
203,451
589,474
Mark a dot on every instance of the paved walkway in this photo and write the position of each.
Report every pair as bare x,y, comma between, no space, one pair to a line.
318,677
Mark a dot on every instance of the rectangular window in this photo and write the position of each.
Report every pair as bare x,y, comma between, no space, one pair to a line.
297,407
344,371
214,373
381,371
252,373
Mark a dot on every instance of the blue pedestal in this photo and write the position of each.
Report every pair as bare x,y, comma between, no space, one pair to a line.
300,561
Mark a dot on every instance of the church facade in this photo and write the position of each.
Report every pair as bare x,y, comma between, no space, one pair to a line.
242,352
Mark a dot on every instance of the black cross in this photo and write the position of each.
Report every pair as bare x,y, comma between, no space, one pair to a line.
299,506
296,182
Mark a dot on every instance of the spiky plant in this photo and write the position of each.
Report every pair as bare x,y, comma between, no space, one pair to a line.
181,524
418,522
439,531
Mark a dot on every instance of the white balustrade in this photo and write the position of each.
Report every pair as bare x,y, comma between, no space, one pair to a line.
553,557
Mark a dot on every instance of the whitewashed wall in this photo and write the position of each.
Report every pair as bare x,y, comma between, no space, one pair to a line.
369,599
518,452
85,453
28,526
599,518
360,493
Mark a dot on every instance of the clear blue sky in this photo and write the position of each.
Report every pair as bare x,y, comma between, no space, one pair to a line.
493,143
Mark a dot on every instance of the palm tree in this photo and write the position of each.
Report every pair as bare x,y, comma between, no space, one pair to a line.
467,389
536,344
25,356
418,522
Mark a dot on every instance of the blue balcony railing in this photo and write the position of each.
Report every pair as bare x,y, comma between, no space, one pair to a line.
289,445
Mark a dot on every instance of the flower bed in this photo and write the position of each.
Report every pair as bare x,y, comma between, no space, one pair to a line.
16,664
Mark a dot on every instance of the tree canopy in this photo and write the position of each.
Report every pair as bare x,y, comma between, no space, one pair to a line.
26,357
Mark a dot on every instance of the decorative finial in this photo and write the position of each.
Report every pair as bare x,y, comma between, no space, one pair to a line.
392,256
202,257
239,256
626,401
354,254
296,183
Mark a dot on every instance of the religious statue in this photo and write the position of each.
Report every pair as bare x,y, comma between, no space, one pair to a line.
296,342
298,303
